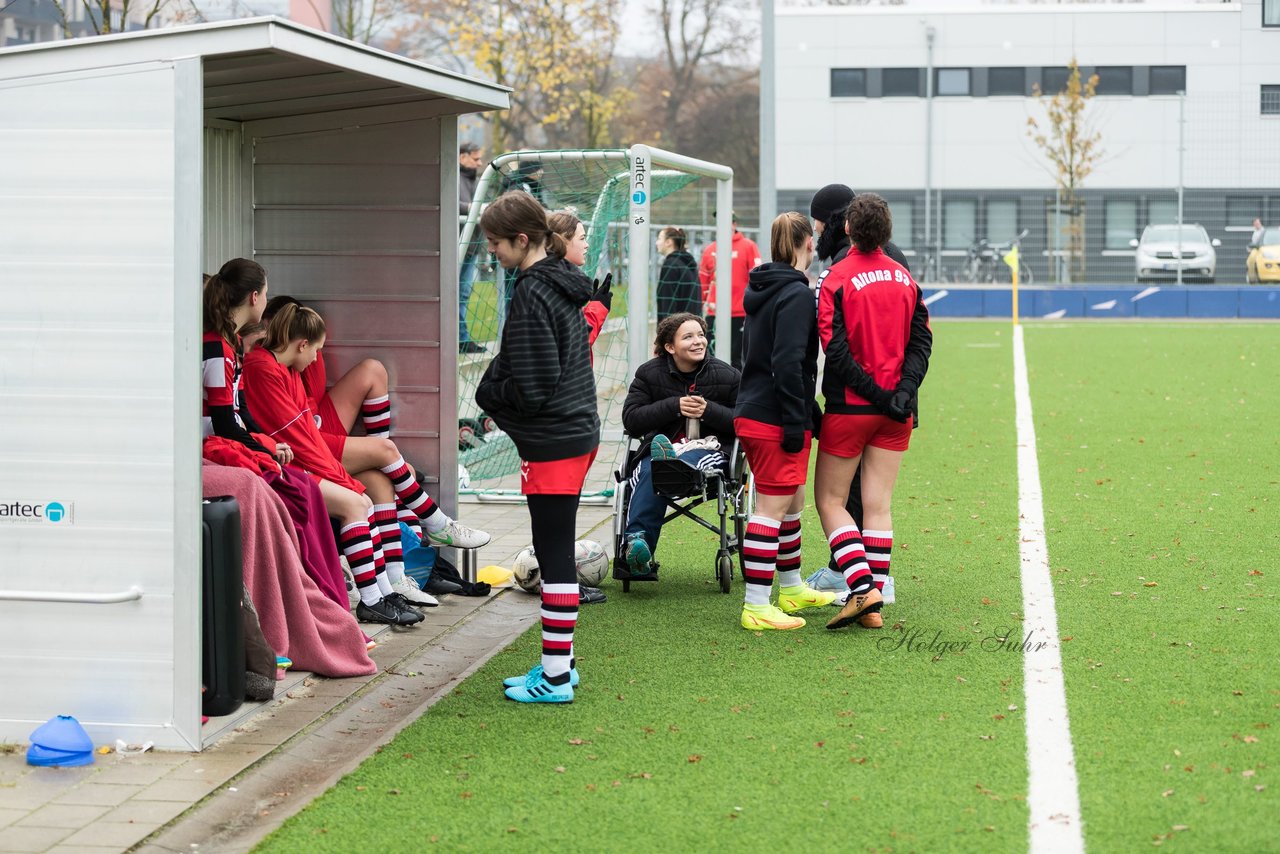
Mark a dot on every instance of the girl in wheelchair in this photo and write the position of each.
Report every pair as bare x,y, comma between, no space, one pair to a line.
680,406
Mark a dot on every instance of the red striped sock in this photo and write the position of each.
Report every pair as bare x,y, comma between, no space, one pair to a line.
375,412
409,493
384,519
559,616
760,558
358,548
851,558
879,546
789,552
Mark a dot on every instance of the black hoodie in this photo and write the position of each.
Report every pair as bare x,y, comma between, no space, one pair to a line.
779,350
678,287
540,387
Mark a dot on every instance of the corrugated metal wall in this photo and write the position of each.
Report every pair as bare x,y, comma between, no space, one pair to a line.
348,221
227,215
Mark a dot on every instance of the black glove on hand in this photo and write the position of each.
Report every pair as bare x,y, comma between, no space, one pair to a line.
899,407
793,443
600,291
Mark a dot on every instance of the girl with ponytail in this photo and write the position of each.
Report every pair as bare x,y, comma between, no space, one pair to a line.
233,298
541,390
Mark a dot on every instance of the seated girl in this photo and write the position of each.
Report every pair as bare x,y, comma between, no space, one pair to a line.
365,504
361,393
682,387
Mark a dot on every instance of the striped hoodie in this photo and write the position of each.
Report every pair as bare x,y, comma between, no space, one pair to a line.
540,388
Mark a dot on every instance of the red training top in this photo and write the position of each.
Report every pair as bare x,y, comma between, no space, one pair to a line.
279,403
746,257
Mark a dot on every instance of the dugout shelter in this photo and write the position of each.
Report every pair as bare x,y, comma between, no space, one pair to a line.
129,165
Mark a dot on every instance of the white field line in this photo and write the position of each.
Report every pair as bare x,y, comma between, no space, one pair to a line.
1053,797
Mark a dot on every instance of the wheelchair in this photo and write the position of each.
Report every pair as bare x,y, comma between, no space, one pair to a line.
683,489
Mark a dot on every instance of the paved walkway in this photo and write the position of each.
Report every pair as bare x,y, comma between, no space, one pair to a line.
234,793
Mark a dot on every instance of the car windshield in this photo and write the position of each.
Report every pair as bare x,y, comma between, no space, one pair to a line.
1270,237
1169,234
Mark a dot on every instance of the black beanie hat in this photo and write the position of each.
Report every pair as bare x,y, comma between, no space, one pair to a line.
830,201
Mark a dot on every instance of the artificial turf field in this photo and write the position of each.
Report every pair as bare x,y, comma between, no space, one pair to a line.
1159,451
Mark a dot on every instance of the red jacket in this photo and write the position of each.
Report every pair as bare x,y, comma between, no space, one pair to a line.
878,299
746,256
276,393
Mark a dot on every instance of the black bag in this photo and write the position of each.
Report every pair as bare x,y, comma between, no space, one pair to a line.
223,623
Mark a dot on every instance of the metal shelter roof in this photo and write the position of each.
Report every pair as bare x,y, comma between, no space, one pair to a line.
268,68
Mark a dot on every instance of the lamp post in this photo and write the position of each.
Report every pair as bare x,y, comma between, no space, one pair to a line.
768,145
929,34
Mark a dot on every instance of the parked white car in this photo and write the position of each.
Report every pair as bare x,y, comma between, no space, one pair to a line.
1157,254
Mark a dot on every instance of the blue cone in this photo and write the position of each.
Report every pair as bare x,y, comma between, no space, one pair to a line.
60,742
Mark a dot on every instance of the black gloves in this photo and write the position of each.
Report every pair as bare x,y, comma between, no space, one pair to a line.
793,442
600,291
901,402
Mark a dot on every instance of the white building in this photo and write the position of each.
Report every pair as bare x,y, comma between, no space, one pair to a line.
899,98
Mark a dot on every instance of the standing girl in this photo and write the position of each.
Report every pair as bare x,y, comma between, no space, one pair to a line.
540,389
678,288
596,311
877,354
774,421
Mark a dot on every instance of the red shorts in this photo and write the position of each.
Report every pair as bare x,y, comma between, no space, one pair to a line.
848,435
336,442
555,477
330,421
774,470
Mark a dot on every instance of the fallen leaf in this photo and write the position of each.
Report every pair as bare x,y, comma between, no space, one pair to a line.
1151,584
695,758
466,796
1248,773
577,741
559,769
393,791
1166,793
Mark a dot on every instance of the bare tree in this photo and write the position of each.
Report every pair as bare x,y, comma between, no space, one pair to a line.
1072,146
98,14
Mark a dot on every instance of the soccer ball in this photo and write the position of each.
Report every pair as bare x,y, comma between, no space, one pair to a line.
525,569
591,561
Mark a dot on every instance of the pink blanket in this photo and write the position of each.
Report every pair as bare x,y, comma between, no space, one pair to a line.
298,620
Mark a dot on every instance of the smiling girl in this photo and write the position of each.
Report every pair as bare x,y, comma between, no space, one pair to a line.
540,389
682,383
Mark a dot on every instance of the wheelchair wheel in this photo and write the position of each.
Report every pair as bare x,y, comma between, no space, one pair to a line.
724,571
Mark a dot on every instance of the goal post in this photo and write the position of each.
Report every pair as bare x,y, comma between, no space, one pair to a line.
622,196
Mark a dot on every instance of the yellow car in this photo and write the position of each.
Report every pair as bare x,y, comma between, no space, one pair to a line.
1263,263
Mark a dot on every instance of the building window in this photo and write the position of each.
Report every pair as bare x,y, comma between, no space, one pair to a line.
959,224
902,223
848,83
1007,81
1242,210
1122,223
1271,100
1271,13
952,81
1002,220
1162,211
898,82
1114,80
1054,79
1168,79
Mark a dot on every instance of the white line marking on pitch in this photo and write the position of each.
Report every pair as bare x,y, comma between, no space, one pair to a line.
1053,797
932,298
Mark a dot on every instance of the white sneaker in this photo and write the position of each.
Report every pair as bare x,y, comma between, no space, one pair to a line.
459,536
409,589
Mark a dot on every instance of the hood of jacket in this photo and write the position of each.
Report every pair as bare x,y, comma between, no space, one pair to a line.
562,277
766,280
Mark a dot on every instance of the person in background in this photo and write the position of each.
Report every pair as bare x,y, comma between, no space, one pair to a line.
775,420
470,161
1255,239
678,281
682,385
746,256
867,311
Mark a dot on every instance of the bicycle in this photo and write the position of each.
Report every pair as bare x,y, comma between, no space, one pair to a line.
985,263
